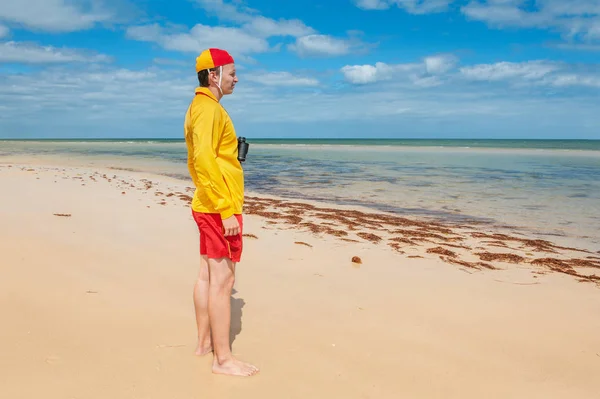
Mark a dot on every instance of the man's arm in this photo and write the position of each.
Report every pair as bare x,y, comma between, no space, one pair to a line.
206,135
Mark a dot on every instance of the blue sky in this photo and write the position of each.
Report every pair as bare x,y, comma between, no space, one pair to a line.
336,68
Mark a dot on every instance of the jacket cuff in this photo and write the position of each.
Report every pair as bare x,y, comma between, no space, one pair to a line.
226,214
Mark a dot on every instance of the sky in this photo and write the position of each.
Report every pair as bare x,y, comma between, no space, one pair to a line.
316,68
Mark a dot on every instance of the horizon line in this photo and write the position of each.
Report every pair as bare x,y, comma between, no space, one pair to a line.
294,138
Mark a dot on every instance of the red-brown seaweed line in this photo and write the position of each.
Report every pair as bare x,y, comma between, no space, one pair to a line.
537,245
401,233
441,251
370,237
471,265
567,266
397,247
402,240
501,257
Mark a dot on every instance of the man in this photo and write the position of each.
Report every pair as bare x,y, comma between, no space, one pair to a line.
217,207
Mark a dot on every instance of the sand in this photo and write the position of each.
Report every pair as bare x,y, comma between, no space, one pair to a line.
98,266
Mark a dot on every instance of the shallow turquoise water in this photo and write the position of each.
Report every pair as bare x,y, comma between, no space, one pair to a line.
550,187
591,145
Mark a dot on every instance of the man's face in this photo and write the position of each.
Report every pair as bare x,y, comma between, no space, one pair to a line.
229,79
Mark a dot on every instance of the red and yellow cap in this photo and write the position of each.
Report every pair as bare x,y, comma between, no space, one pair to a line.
213,58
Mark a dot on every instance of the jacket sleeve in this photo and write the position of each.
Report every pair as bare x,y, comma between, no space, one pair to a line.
206,134
188,134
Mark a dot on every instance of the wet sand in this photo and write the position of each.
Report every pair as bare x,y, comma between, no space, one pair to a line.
98,267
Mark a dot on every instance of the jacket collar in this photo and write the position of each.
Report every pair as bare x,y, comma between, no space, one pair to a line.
205,91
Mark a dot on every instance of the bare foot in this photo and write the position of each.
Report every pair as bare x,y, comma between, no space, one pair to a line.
234,367
204,349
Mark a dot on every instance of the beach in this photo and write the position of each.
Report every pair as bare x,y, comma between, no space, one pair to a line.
330,300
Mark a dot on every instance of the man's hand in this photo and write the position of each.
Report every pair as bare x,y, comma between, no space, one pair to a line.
231,226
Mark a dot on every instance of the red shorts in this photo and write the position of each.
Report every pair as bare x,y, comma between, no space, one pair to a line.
212,241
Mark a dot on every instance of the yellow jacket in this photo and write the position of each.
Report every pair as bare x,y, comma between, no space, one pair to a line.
212,157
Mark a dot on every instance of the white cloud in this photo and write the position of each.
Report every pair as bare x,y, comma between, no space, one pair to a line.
535,73
363,74
320,45
575,19
281,79
228,12
35,54
427,81
55,15
411,6
508,70
249,36
200,37
497,12
411,109
98,100
372,4
268,27
107,101
437,70
576,80
440,64
423,74
253,22
4,31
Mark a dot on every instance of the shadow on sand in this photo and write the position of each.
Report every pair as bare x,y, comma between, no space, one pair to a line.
236,316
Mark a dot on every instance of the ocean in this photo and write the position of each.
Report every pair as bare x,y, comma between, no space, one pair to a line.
542,187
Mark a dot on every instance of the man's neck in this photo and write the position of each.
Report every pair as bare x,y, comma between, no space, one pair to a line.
216,92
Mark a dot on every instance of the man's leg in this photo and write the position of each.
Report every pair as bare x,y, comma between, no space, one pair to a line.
201,306
222,277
